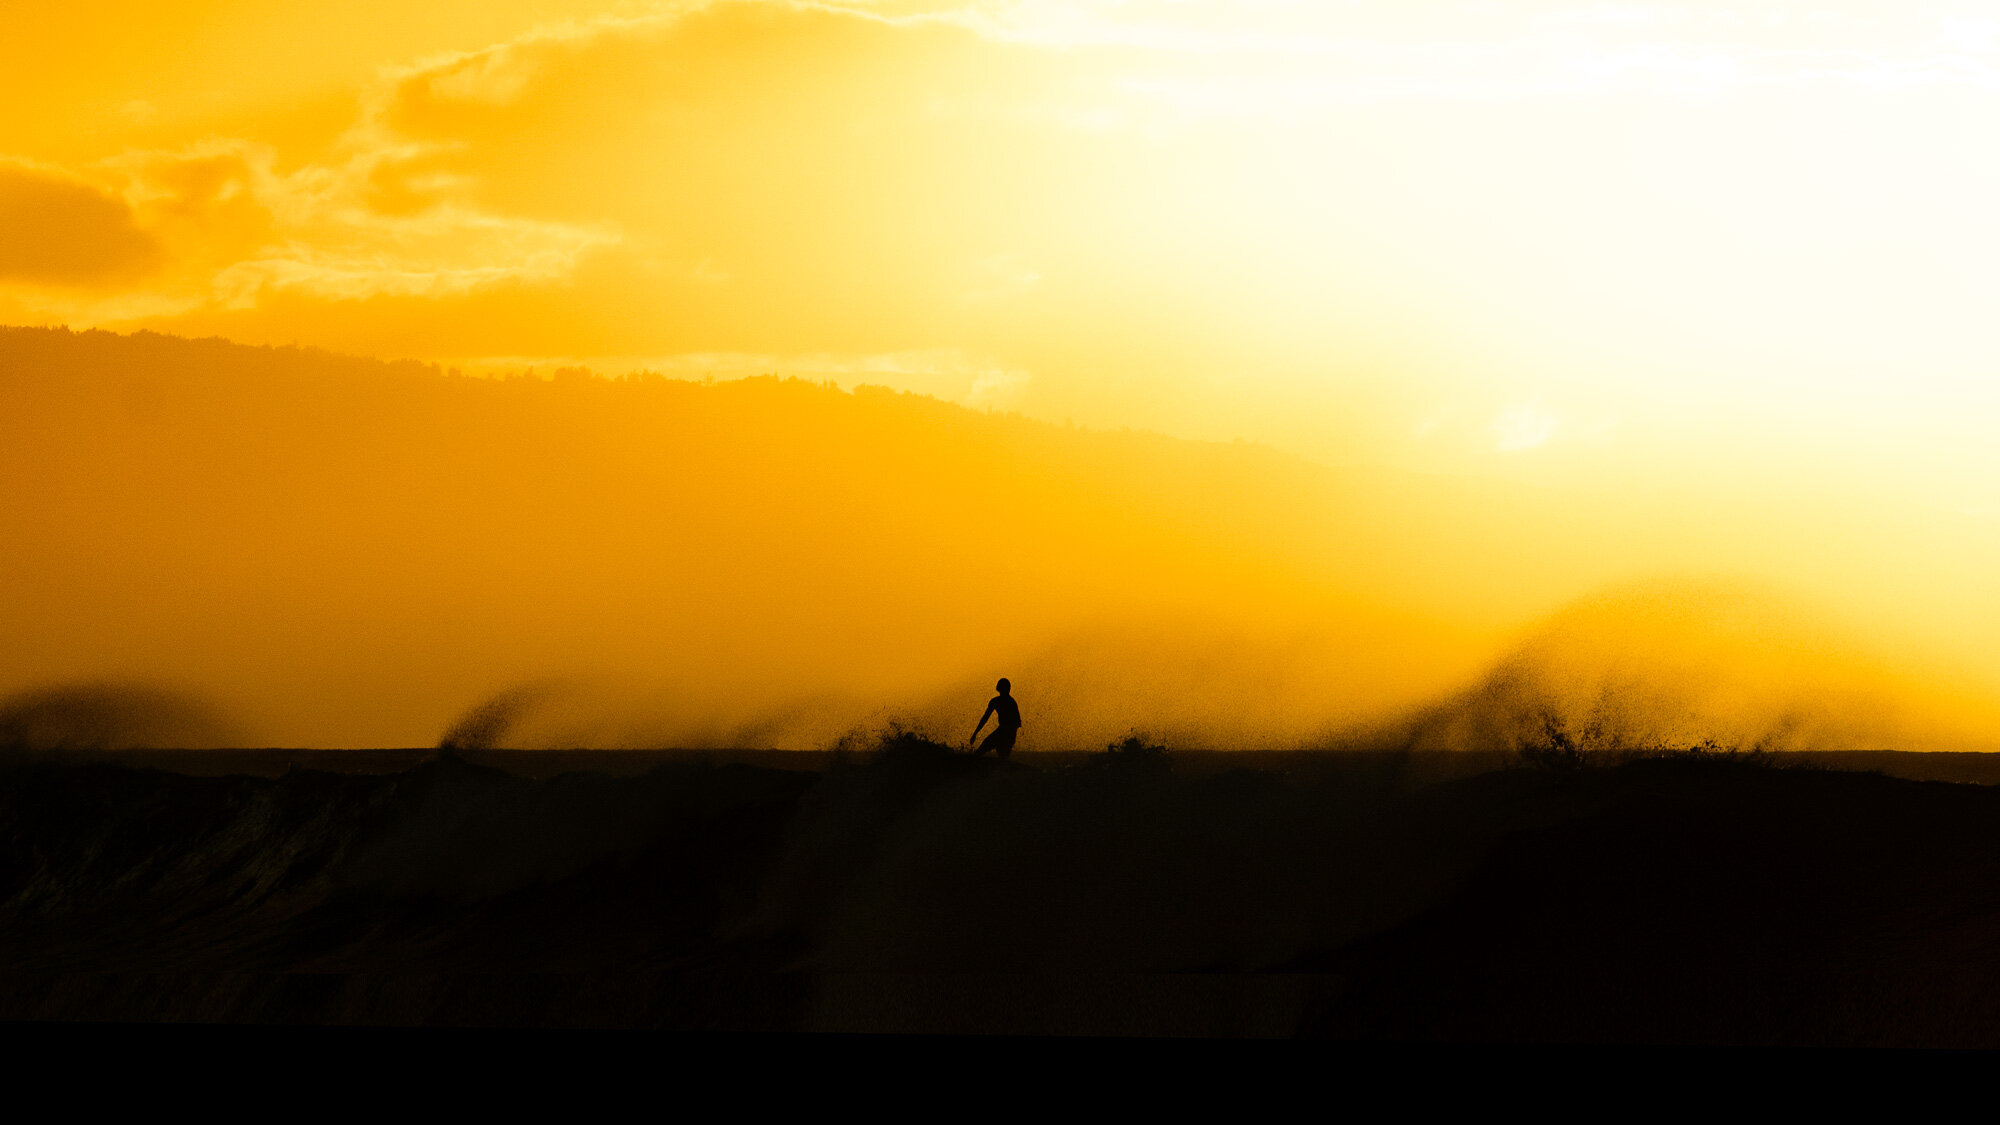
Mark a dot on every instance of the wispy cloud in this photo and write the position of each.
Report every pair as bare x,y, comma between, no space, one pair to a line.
218,224
1287,58
57,228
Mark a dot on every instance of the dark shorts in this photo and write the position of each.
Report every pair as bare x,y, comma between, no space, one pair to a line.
1001,741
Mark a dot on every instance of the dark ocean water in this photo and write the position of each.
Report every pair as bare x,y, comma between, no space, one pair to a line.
1962,766
1380,898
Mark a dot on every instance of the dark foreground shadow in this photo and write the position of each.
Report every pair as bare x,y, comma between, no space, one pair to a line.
911,890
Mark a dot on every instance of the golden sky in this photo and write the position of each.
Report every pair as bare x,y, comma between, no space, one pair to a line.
1565,240
1711,252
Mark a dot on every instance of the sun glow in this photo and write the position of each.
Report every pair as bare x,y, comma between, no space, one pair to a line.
1672,251
1761,229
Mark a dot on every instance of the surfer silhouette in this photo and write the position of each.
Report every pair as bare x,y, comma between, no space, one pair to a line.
1001,741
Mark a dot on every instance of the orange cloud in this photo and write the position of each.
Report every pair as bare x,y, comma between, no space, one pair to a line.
738,180
60,230
771,178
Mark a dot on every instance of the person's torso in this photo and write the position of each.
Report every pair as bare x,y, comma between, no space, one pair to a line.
1007,711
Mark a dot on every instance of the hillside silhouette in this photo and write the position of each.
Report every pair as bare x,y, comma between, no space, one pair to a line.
330,551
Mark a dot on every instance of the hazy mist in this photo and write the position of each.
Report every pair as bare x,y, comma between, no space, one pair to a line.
337,552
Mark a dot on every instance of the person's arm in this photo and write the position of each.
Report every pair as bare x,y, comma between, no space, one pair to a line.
982,723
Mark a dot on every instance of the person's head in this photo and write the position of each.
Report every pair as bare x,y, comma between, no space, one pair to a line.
1004,687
